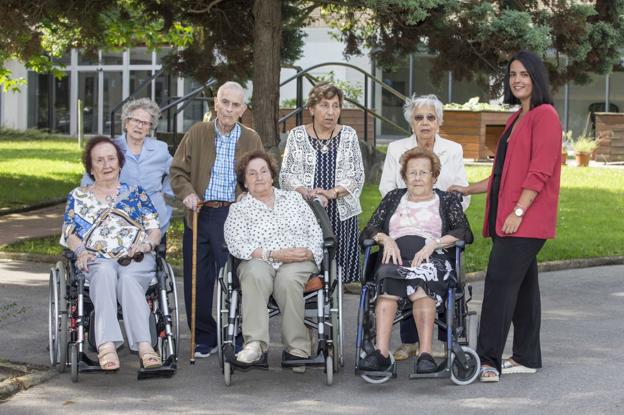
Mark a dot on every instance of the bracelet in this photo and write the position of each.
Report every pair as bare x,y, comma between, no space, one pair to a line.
79,250
335,193
265,256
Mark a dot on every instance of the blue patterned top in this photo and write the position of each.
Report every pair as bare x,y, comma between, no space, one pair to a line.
222,184
109,230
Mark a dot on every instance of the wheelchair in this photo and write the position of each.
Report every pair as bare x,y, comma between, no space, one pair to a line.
457,326
71,313
323,312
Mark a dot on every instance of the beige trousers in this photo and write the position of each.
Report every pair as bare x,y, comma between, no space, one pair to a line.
259,281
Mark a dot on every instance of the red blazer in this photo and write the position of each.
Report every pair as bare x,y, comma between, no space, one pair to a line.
533,162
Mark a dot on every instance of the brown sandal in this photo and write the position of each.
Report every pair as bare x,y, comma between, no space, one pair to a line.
107,356
151,360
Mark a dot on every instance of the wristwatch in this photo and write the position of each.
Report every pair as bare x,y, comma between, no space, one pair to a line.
270,257
519,212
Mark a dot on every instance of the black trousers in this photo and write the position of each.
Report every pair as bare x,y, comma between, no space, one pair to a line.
511,294
211,256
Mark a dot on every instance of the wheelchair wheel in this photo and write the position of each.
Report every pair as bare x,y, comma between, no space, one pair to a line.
57,317
175,310
73,358
329,368
472,329
220,310
336,317
227,373
461,375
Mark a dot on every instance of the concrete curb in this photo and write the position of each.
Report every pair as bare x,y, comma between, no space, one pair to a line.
34,375
10,211
470,277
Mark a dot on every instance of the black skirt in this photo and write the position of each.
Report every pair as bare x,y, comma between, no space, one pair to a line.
433,276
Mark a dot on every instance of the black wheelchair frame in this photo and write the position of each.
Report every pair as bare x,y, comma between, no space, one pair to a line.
460,326
70,312
323,312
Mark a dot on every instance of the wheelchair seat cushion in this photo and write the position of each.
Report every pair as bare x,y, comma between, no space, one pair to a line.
402,281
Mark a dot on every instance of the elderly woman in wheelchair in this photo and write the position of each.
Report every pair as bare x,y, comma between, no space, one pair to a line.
279,242
113,228
414,228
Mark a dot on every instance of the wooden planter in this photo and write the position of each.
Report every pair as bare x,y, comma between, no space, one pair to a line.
582,159
477,131
610,125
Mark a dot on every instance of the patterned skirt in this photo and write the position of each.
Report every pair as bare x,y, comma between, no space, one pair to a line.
433,276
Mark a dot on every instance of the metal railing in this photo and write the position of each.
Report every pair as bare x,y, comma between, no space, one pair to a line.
132,95
305,73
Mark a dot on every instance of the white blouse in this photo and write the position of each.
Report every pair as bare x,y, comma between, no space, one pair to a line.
289,224
299,166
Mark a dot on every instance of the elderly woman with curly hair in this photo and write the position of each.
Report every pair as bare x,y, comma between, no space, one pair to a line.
112,227
275,234
323,159
414,227
147,159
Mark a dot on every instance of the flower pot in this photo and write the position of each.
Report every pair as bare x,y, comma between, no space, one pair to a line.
582,159
564,158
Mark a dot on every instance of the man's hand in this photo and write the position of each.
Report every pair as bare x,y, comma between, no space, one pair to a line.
192,201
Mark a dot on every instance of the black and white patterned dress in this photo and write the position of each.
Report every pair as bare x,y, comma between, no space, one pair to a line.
346,231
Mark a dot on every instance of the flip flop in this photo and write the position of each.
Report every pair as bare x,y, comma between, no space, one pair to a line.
151,360
485,370
108,359
510,366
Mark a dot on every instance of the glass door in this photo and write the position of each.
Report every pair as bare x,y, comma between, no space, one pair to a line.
88,93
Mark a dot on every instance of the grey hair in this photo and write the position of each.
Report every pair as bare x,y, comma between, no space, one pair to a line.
414,102
232,85
144,104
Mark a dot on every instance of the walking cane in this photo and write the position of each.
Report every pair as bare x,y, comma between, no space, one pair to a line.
194,283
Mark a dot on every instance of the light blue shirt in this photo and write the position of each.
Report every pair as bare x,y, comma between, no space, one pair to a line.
222,184
150,170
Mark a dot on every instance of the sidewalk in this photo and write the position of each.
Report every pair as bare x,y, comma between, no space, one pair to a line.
32,224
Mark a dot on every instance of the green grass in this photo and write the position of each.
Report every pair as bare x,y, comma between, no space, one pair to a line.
591,207
36,167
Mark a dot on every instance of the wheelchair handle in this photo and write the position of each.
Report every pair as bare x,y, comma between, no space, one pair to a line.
368,242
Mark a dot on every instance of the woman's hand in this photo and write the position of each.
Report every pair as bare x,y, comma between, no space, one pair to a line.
391,251
289,255
424,254
83,260
140,247
323,199
305,192
512,223
464,190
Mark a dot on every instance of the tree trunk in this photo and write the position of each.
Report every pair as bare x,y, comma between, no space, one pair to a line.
267,45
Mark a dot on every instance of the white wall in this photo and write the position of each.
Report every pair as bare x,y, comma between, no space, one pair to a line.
15,104
320,47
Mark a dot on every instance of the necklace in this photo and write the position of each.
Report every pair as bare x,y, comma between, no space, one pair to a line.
323,144
109,198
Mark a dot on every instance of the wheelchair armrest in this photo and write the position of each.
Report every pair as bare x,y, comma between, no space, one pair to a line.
368,242
161,250
69,254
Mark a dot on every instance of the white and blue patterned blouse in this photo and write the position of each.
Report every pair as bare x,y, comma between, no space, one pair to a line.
108,230
222,184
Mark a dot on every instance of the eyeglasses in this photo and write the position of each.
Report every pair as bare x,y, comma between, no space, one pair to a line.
420,117
420,173
126,260
140,123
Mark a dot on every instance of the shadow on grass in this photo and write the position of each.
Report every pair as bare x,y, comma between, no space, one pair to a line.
20,190
44,154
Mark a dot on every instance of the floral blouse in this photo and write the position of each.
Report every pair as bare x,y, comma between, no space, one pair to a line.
453,219
289,224
109,230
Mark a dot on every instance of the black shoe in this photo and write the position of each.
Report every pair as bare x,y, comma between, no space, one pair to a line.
375,362
426,364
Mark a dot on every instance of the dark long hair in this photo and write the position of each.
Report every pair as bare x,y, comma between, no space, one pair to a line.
539,77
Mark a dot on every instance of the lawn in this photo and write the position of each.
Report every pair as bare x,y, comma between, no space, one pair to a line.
36,168
591,208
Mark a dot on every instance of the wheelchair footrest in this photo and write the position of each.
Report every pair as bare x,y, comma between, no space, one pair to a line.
86,365
440,372
289,360
376,373
165,371
262,363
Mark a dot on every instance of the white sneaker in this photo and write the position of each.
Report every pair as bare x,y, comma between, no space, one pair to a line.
251,353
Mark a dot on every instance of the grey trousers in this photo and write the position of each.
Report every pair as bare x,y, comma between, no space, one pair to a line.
110,283
258,281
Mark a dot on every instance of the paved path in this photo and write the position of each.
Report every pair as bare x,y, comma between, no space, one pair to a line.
32,224
582,338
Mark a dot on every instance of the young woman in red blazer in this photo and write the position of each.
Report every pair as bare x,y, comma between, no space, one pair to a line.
520,214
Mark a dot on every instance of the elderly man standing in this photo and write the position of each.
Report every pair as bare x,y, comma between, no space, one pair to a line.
203,177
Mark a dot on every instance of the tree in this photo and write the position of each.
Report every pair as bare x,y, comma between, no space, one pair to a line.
249,39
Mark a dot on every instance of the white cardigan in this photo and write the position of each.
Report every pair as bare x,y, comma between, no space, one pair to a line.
450,153
299,166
